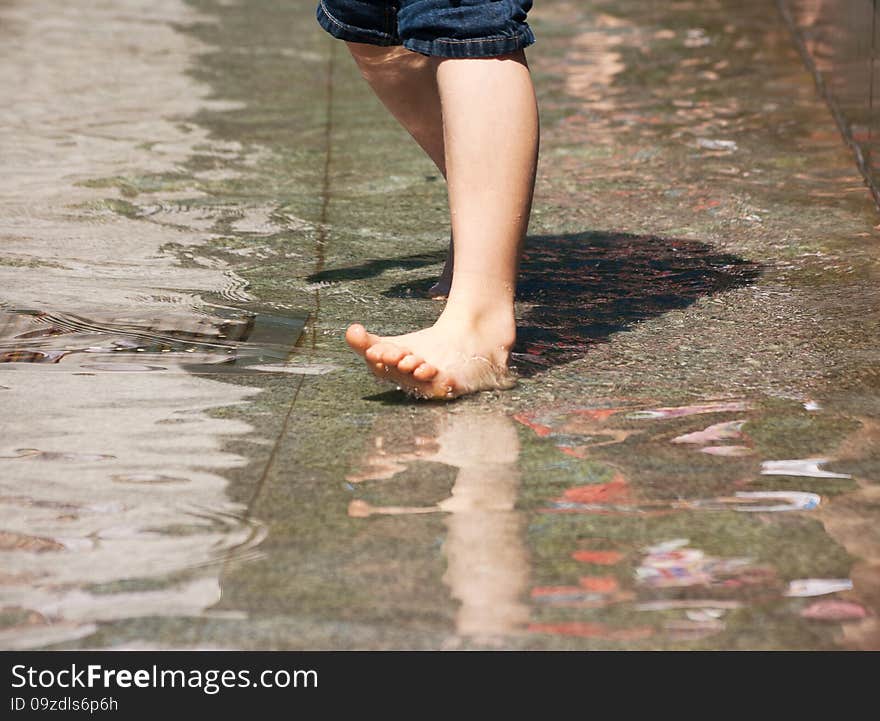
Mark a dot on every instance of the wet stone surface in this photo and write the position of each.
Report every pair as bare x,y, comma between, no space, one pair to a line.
839,41
190,458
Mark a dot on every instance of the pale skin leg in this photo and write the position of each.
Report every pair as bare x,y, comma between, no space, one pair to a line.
487,561
490,133
406,83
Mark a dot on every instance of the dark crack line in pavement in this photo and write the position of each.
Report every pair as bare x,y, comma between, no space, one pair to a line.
319,265
842,124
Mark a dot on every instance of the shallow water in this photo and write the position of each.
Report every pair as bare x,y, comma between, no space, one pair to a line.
114,501
839,40
598,522
190,458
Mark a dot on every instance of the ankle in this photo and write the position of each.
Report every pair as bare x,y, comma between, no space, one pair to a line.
495,322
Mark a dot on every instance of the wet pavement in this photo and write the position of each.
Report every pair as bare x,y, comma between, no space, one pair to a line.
200,196
838,41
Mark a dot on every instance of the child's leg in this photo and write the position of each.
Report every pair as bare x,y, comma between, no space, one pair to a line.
406,83
490,123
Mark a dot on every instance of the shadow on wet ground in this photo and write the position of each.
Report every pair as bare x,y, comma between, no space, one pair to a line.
577,289
690,459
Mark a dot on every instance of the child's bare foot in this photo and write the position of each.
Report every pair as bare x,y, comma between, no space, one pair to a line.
440,289
453,357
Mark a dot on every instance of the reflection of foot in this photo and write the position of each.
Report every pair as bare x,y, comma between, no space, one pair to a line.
450,359
362,509
384,463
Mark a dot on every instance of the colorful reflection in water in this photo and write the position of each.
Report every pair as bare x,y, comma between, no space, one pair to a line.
690,460
628,532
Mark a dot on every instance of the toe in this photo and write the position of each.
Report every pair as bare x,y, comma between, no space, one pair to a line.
409,363
392,355
373,354
376,352
357,337
424,372
444,388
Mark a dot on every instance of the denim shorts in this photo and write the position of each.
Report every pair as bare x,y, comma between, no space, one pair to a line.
442,28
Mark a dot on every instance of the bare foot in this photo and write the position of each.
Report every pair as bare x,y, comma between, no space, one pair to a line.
440,289
450,359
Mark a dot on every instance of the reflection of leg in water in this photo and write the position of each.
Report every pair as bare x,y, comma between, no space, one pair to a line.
487,566
849,520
